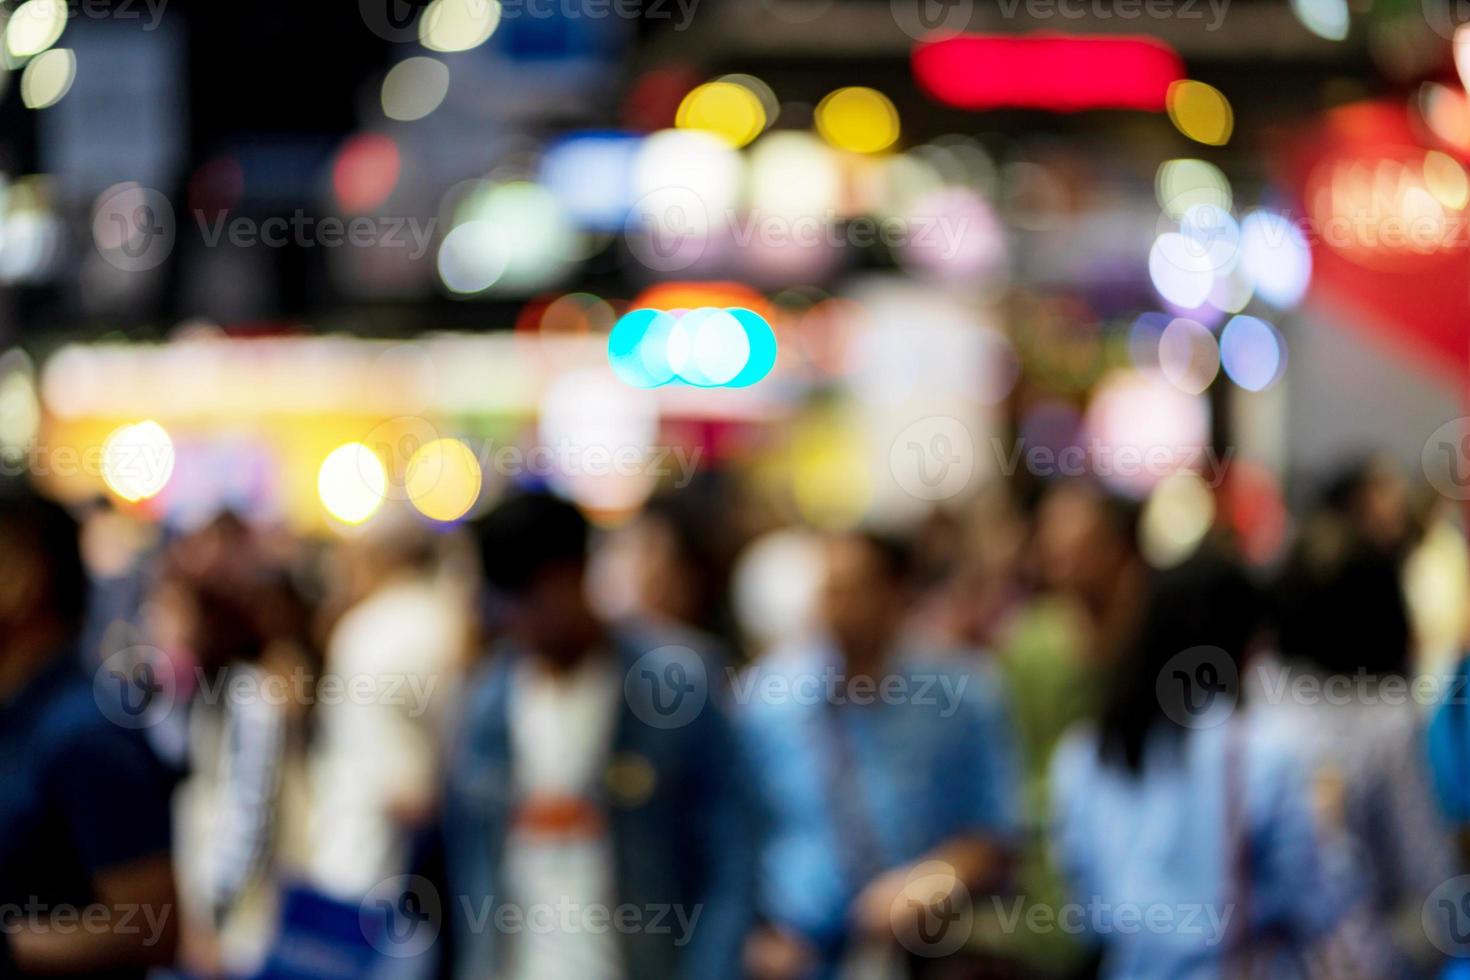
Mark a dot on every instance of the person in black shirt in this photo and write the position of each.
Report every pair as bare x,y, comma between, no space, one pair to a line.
86,881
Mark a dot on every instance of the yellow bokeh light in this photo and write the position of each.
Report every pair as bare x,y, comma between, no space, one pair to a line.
731,111
352,483
443,479
458,25
137,460
1178,515
34,27
1446,179
1200,112
858,119
48,78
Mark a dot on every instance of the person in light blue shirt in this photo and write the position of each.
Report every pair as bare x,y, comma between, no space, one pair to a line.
1182,829
889,780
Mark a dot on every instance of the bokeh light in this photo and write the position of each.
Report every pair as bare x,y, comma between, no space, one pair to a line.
352,483
365,173
730,111
35,26
414,87
1252,352
443,480
1188,355
137,460
458,25
1276,256
706,347
1200,112
20,409
470,258
512,237
1327,19
1180,272
1176,518
1446,180
48,77
1187,183
859,119
592,175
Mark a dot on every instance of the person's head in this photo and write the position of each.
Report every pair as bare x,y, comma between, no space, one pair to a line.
1373,497
1083,537
1197,623
678,563
533,550
865,591
44,586
1340,605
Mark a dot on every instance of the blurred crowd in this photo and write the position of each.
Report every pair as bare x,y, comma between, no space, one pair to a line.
999,744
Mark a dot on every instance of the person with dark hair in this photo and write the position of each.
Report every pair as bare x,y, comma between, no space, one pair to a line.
888,773
1055,648
1339,689
591,770
86,880
1180,828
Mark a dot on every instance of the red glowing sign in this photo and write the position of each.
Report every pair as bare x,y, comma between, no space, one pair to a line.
1056,72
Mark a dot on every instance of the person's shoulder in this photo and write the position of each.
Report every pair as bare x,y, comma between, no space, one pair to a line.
71,729
1075,761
